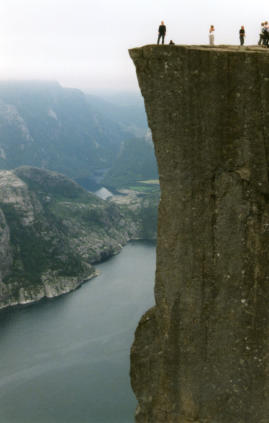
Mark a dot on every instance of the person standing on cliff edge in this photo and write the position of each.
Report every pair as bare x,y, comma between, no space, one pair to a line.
261,35
242,34
265,34
162,32
211,35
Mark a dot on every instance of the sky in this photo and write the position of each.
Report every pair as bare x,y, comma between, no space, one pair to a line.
84,43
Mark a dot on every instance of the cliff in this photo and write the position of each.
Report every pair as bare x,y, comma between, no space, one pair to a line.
52,231
201,354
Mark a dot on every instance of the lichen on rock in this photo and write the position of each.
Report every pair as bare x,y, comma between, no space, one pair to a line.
201,354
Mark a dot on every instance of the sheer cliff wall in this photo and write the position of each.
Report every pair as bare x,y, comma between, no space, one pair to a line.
202,353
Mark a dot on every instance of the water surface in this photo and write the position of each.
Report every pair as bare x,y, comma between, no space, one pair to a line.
67,360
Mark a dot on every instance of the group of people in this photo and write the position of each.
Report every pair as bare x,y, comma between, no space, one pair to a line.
264,35
242,35
263,40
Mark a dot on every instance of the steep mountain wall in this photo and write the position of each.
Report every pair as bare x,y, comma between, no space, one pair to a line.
201,354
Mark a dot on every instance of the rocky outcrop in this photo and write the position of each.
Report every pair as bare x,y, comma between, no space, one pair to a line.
50,286
51,232
201,354
140,208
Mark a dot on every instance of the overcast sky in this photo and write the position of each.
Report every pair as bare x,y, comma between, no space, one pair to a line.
84,43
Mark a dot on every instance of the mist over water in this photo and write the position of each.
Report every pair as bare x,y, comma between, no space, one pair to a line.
67,360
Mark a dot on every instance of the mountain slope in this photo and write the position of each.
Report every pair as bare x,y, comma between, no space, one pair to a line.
135,162
45,125
51,231
82,136
128,113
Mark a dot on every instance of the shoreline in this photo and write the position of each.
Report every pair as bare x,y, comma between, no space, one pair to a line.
45,296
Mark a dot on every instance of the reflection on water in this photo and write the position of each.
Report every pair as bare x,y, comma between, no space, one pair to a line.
67,360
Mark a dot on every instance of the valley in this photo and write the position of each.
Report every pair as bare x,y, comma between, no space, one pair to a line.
58,147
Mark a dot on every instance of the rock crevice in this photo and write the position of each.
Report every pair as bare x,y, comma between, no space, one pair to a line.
201,354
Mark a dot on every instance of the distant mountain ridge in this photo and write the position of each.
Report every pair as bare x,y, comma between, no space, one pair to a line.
45,125
82,136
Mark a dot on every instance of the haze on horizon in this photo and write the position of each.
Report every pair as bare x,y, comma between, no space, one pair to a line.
84,43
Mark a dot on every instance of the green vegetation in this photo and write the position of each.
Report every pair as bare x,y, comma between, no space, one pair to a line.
31,253
140,188
39,247
150,182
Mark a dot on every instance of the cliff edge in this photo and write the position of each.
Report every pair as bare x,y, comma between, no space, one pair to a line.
202,353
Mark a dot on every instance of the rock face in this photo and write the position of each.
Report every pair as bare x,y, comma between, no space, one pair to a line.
52,231
201,354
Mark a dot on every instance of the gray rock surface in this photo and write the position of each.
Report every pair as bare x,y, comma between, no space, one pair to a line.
201,354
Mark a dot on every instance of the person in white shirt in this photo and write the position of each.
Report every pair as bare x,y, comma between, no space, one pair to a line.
211,35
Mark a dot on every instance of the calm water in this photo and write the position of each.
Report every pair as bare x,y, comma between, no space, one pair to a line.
67,360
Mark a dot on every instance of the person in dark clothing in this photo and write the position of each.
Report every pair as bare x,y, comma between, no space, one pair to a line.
265,32
162,32
260,42
242,35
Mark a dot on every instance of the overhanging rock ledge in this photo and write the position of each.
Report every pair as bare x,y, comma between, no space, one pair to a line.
202,353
